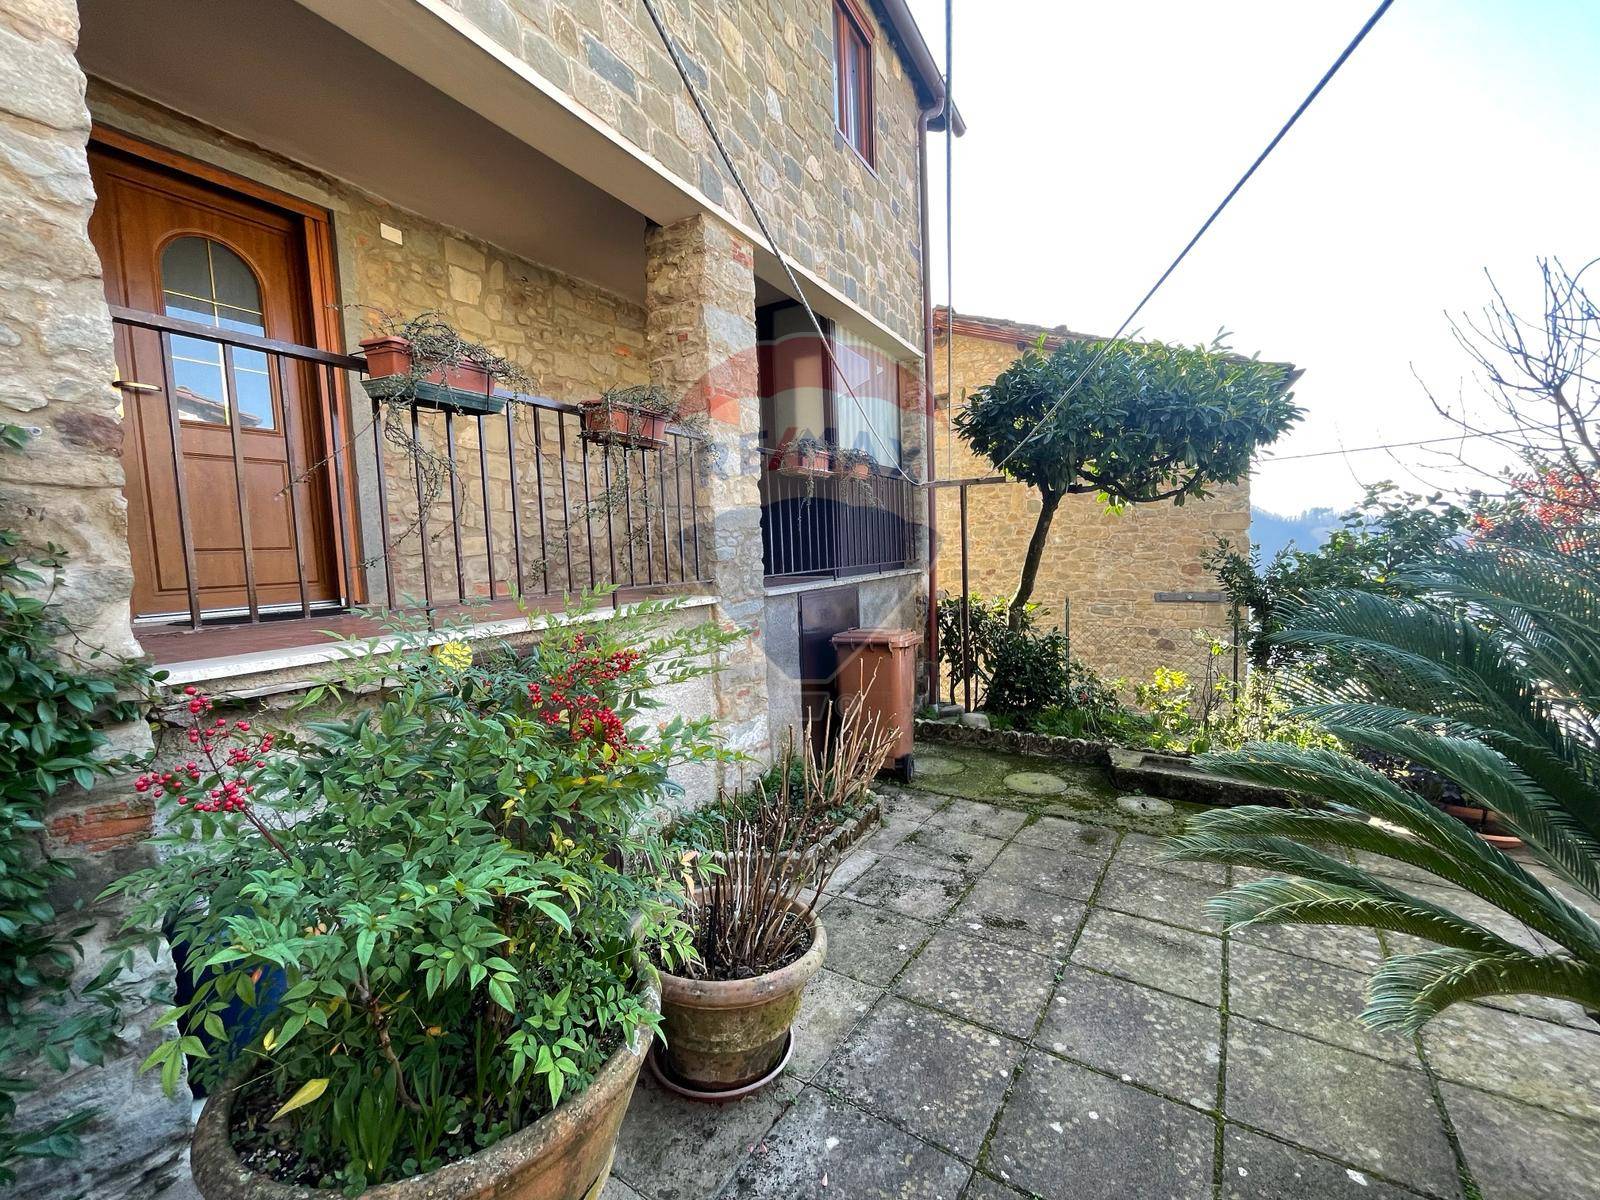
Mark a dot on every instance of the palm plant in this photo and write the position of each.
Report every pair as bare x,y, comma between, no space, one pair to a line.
1489,675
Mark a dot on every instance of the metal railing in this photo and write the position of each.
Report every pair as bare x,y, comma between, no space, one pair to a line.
832,524
430,504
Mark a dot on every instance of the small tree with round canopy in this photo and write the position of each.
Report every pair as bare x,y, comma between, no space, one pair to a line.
1148,423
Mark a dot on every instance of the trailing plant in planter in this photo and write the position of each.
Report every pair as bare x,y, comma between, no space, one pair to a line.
757,939
631,417
807,456
457,876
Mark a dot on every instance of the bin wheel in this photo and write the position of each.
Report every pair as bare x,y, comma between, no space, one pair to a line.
906,769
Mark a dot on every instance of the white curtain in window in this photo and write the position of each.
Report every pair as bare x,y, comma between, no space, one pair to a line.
873,424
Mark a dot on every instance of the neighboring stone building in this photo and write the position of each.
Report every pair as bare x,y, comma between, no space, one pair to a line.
206,201
1135,583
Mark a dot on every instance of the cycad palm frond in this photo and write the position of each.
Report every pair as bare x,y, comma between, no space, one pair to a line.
1489,676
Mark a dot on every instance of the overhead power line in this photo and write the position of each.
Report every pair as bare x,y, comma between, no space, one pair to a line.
1433,441
891,458
1105,349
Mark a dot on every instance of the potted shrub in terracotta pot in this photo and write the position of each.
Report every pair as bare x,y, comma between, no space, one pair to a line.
632,417
469,994
758,942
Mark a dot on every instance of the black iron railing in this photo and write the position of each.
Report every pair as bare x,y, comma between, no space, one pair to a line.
410,500
830,523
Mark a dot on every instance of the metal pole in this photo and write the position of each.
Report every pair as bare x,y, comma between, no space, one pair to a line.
966,611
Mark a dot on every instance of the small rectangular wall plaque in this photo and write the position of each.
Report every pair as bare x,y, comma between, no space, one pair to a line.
1190,598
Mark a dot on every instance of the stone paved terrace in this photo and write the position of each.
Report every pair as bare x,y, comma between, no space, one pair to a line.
1020,1000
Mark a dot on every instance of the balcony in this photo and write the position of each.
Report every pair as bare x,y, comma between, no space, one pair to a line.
832,525
300,499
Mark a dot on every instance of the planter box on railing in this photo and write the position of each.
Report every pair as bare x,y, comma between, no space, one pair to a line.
815,463
459,387
614,424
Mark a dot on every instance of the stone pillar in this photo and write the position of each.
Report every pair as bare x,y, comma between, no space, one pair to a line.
65,487
700,334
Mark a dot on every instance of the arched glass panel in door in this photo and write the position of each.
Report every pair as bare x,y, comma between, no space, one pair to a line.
205,282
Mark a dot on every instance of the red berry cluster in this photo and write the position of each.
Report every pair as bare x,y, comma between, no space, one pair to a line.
225,745
572,695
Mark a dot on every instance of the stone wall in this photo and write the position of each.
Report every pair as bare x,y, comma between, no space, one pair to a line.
766,72
65,488
1108,566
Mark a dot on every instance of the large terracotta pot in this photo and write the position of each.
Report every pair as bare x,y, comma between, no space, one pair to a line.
721,1035
565,1155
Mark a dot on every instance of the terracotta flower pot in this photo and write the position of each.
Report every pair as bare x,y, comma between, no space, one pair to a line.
859,470
565,1155
806,462
623,424
721,1035
391,355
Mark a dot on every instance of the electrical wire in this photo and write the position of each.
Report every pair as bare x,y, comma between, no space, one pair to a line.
891,458
1453,437
1105,349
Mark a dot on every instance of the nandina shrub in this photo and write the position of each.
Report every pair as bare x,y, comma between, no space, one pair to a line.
452,881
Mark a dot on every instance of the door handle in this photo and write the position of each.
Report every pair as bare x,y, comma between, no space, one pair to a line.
133,385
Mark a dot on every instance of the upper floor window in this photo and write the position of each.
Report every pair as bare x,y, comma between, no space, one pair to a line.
852,75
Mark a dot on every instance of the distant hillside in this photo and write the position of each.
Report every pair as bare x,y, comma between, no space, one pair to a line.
1273,531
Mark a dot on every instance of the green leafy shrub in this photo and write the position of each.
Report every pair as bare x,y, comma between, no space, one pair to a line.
453,882
53,708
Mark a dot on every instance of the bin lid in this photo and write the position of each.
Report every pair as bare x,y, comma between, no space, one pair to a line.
891,639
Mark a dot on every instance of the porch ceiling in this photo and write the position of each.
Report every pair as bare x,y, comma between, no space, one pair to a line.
274,74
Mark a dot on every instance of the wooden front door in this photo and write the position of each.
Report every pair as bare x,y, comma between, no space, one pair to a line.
180,247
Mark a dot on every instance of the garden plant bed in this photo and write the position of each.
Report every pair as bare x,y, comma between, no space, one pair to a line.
1169,776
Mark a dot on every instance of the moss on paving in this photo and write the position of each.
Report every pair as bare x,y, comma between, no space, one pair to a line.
1089,794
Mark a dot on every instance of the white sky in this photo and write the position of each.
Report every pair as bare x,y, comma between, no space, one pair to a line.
1462,135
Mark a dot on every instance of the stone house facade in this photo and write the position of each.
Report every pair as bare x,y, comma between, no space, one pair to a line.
210,203
1133,587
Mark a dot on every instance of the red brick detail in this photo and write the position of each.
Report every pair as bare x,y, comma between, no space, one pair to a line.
105,827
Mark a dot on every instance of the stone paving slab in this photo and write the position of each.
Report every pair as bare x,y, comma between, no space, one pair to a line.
1258,1168
1050,871
832,1006
1341,945
981,1187
946,847
970,816
870,944
1137,1033
1141,850
1068,1133
940,1078
825,1149
1069,837
1162,956
1521,1153
1160,896
853,867
676,1149
910,887
1309,997
980,981
1022,917
1373,1115
615,1189
1538,1062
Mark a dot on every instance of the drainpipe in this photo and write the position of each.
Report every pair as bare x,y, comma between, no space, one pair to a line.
924,116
